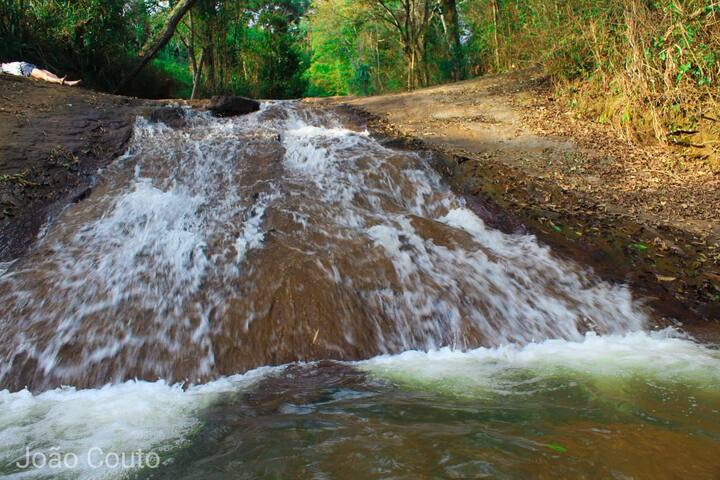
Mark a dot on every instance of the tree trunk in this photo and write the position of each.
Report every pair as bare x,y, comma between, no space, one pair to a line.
208,12
196,75
411,70
495,33
190,46
161,39
378,74
422,67
452,25
411,18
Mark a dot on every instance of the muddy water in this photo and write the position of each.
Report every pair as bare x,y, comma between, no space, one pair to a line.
273,240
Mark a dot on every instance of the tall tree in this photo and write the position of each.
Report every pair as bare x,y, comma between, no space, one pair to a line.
411,19
177,12
452,28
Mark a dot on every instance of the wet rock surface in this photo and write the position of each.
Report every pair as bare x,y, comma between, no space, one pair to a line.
485,130
274,238
314,241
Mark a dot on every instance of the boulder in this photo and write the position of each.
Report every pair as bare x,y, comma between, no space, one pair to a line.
231,106
171,116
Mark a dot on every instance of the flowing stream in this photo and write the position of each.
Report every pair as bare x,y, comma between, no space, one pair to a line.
278,296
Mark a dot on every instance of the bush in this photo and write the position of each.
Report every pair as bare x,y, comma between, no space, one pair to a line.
651,65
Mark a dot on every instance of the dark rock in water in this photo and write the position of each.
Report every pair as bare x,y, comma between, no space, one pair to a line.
230,106
274,113
171,116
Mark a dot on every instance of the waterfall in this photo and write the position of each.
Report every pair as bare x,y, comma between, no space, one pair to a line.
278,236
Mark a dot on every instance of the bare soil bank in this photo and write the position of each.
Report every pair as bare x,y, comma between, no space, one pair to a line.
634,213
53,139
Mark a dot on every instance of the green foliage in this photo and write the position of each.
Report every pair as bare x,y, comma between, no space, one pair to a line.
557,448
280,54
578,38
251,47
357,50
178,72
343,48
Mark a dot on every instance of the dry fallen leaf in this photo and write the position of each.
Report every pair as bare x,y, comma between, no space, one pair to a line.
315,336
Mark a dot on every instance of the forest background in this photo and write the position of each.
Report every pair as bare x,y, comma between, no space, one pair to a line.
648,68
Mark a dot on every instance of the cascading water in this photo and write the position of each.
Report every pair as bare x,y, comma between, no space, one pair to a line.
281,236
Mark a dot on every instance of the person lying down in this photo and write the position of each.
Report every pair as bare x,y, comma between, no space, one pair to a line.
24,69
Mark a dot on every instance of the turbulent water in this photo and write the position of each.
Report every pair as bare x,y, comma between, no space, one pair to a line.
643,406
282,236
276,237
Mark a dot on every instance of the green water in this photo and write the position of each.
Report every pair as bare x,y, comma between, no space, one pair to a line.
641,406
645,409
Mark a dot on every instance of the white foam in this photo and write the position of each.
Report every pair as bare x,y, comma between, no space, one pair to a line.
465,219
305,152
5,266
663,355
122,419
252,234
507,287
148,222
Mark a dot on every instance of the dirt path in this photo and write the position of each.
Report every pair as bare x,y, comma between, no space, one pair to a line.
637,214
53,139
